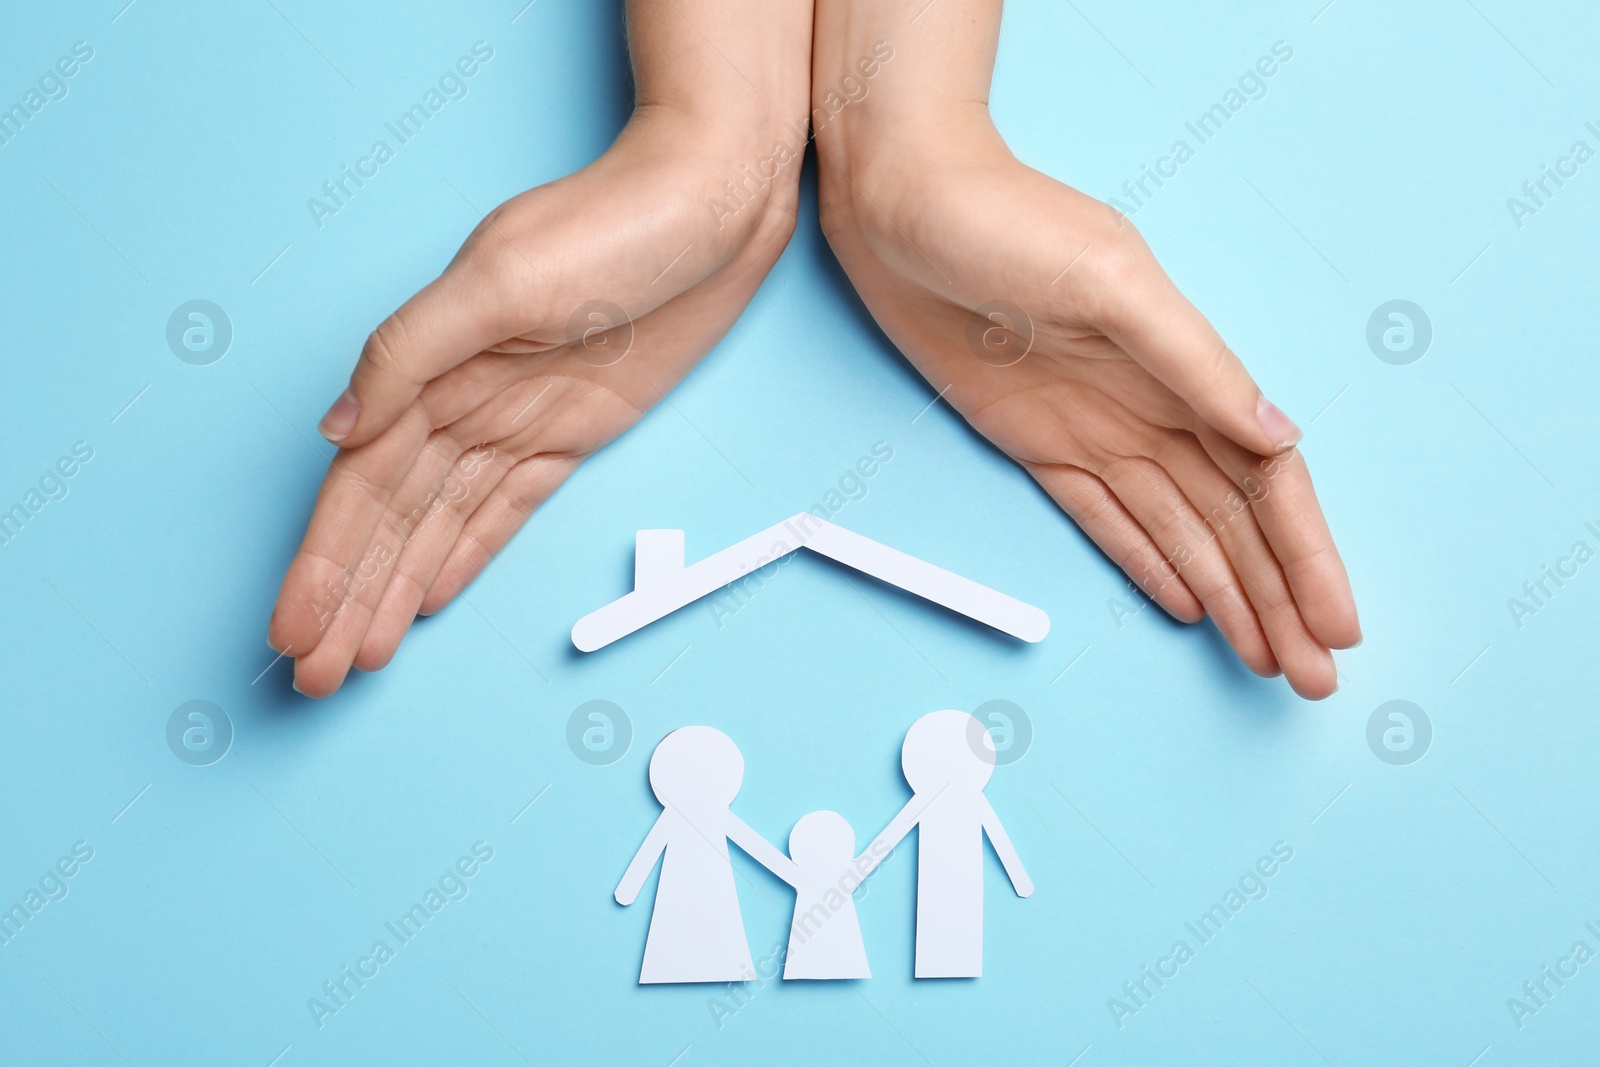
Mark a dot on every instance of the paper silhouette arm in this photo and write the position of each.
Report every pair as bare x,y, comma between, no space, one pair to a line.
762,851
1005,850
644,861
892,835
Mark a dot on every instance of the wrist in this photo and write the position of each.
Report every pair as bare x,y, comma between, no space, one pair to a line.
728,65
738,180
723,136
900,78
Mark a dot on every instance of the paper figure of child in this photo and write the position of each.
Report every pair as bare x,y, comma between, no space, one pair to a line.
696,929
825,936
947,758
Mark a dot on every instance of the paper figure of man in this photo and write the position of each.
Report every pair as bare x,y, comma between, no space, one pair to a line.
947,758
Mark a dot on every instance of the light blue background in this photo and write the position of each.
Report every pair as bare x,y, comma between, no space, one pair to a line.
1415,905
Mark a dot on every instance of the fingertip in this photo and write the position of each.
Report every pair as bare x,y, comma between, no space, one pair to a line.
1332,618
384,636
316,680
284,635
435,602
1343,639
1261,661
1342,630
1318,691
1187,612
1317,680
1280,430
457,573
1173,596
391,622
340,420
1244,634
298,622
1264,431
374,657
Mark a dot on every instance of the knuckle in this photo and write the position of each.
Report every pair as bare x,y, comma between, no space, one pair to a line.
1125,258
1217,370
1112,219
365,485
490,260
386,349
485,237
1135,469
1120,272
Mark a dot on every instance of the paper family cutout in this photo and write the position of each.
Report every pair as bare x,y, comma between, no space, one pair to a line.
696,929
662,584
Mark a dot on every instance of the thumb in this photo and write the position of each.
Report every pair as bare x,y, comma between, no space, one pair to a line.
451,320
1155,323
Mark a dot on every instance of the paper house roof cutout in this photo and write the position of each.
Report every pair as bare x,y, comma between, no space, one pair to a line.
662,583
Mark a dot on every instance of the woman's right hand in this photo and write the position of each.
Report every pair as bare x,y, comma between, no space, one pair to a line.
1042,316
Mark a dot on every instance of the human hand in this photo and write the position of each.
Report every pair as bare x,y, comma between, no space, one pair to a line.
569,312
1096,374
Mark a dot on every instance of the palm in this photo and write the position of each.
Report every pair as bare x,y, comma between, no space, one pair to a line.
569,312
1028,306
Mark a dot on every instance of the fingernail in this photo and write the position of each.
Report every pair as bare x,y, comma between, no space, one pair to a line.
341,418
274,647
295,685
1274,423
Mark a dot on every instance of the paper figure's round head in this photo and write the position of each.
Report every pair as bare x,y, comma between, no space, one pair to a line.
696,767
938,753
822,839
